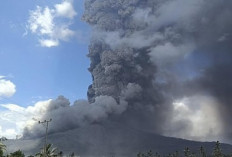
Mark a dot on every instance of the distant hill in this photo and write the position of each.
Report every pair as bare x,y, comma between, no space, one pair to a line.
110,140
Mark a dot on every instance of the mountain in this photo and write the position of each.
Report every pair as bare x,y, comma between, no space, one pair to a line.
110,140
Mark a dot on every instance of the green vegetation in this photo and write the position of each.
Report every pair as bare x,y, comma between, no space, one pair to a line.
217,152
2,149
18,153
50,151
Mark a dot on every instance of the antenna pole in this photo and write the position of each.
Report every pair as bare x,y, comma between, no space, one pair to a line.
45,142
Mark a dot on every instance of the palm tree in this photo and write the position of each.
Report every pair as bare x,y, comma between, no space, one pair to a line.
48,151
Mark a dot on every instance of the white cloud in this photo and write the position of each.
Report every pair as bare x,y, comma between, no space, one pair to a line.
10,133
51,25
14,119
49,43
41,21
65,9
7,88
65,33
14,108
11,119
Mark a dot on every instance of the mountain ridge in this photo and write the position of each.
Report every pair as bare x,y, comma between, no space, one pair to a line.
99,140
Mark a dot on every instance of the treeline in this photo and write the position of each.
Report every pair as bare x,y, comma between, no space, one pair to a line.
217,152
50,151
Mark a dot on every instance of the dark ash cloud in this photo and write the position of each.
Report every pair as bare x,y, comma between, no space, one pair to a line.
149,59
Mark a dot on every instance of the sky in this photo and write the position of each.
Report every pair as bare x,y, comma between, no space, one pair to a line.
43,52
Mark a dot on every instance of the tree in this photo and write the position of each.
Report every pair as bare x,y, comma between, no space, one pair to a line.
18,153
60,154
2,146
3,138
72,154
1,153
187,152
148,154
217,150
202,152
49,151
2,149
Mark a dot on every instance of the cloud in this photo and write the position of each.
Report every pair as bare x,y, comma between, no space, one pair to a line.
12,118
65,116
139,53
9,133
7,88
15,118
41,21
65,9
49,43
51,25
152,45
24,120
195,118
162,54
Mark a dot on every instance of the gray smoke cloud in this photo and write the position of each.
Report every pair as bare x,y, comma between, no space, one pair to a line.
81,113
156,65
169,49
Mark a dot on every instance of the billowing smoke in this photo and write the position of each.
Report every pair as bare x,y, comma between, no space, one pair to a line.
157,65
169,50
65,117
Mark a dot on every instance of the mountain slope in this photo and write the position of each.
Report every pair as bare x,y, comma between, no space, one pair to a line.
110,140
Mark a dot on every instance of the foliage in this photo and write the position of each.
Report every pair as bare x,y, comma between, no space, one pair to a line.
2,146
18,153
187,152
149,154
3,138
2,149
49,151
72,154
1,153
60,154
217,152
202,152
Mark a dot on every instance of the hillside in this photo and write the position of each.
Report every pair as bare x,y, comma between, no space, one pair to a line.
111,140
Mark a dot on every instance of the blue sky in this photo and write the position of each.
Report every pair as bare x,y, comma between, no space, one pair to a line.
39,71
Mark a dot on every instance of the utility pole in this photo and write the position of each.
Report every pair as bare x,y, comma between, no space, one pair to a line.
45,142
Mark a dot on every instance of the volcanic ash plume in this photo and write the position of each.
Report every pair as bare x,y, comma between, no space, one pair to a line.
133,42
152,53
153,61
